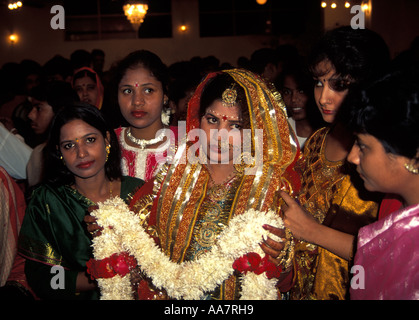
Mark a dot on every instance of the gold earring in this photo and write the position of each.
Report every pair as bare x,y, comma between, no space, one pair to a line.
108,151
62,159
409,167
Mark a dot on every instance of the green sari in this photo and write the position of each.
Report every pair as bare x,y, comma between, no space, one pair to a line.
53,234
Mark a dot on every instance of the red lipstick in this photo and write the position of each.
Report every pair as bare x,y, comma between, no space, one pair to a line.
138,114
327,111
85,165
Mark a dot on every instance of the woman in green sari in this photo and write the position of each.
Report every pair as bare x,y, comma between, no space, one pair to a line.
83,161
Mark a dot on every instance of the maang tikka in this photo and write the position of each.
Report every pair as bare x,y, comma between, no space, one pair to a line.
229,96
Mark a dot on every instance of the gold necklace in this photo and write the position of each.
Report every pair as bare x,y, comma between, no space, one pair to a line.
218,191
230,177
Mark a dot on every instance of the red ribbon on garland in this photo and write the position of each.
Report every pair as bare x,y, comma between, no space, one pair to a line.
252,262
118,263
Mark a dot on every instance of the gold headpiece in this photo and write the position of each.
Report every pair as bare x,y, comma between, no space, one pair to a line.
229,96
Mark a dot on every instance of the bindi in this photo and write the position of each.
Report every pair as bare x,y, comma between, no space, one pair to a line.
223,116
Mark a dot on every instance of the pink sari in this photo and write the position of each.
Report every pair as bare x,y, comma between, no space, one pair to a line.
388,251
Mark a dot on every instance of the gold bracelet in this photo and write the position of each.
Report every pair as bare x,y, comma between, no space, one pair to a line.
286,256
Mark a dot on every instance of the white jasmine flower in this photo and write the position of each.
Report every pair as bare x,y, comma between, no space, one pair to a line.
188,280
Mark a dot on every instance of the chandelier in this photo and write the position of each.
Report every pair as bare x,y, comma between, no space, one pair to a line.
135,12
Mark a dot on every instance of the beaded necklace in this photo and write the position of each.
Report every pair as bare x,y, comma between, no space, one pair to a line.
142,143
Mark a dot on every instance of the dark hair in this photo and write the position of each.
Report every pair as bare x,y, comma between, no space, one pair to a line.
55,93
214,90
261,57
80,58
388,109
183,77
57,173
146,59
84,73
357,54
30,67
58,65
98,52
298,70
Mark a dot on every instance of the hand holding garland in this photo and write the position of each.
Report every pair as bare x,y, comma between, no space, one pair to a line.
124,263
281,254
94,229
273,249
239,239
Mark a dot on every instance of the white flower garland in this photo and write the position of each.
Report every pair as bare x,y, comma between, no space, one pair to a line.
188,280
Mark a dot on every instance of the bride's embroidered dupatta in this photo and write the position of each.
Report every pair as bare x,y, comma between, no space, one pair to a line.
186,216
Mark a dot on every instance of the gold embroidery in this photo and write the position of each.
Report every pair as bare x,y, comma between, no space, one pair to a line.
212,219
190,217
142,208
328,194
39,251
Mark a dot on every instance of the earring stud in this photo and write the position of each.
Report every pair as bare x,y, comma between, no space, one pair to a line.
409,167
108,151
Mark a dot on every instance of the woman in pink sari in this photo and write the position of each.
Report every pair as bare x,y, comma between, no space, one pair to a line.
386,154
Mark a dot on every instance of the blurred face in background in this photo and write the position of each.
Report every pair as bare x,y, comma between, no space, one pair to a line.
31,81
41,116
294,98
86,89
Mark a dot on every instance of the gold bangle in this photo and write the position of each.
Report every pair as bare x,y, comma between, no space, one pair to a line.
286,256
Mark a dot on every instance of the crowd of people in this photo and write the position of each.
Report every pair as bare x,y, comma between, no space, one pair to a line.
327,143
